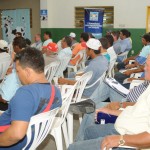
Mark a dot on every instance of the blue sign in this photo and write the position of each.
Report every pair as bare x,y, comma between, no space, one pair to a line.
93,21
44,12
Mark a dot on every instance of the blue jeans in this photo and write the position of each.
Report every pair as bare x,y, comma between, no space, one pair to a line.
93,137
103,91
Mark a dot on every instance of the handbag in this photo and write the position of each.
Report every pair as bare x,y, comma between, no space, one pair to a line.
85,106
103,118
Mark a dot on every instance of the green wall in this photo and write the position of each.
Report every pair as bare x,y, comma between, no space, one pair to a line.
59,33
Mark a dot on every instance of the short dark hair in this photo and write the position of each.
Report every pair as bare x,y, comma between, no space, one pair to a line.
31,57
67,39
125,32
85,36
104,42
20,42
48,33
19,33
110,39
116,33
28,42
146,37
95,51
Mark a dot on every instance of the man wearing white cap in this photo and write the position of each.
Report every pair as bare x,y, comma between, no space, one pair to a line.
98,65
73,38
3,50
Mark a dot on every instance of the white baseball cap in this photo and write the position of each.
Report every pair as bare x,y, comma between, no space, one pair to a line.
3,45
93,44
73,35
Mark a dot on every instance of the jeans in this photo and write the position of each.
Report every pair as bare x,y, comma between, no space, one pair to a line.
102,92
93,137
120,77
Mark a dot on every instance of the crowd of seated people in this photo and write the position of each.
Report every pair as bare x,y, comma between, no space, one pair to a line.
25,91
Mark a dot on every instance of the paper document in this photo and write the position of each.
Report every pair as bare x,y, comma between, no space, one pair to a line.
116,86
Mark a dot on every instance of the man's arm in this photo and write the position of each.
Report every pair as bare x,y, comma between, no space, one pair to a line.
141,140
109,111
14,133
62,81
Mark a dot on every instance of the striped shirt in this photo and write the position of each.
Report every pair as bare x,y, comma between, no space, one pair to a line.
137,91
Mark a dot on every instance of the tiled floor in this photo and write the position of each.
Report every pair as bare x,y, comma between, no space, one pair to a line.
49,143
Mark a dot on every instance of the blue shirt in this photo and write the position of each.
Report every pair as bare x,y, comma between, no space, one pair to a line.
28,101
66,52
126,44
141,59
98,66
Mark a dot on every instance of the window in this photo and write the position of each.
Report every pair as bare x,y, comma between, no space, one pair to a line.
108,20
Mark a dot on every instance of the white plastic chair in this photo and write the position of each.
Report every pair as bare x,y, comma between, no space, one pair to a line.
75,67
124,55
100,79
84,59
60,122
110,72
63,65
51,69
4,65
77,97
41,125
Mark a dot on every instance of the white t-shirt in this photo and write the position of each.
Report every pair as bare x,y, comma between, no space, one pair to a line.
66,52
47,42
4,56
112,54
135,119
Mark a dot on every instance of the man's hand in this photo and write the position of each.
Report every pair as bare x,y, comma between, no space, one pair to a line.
113,105
62,81
128,72
129,66
110,142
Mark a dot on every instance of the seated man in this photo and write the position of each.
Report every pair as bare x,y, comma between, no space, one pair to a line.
29,100
66,50
79,47
140,58
38,42
94,66
125,42
131,125
51,53
11,83
4,50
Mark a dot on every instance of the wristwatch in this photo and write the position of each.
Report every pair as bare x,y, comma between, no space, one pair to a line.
121,141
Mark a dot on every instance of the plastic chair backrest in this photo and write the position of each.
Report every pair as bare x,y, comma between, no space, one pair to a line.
110,68
100,79
63,65
81,86
124,55
66,100
51,69
4,65
39,128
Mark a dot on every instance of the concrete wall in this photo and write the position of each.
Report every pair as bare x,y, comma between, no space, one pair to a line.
33,4
127,13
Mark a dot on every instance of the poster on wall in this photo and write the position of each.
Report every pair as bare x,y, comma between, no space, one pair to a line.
93,21
14,21
43,14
